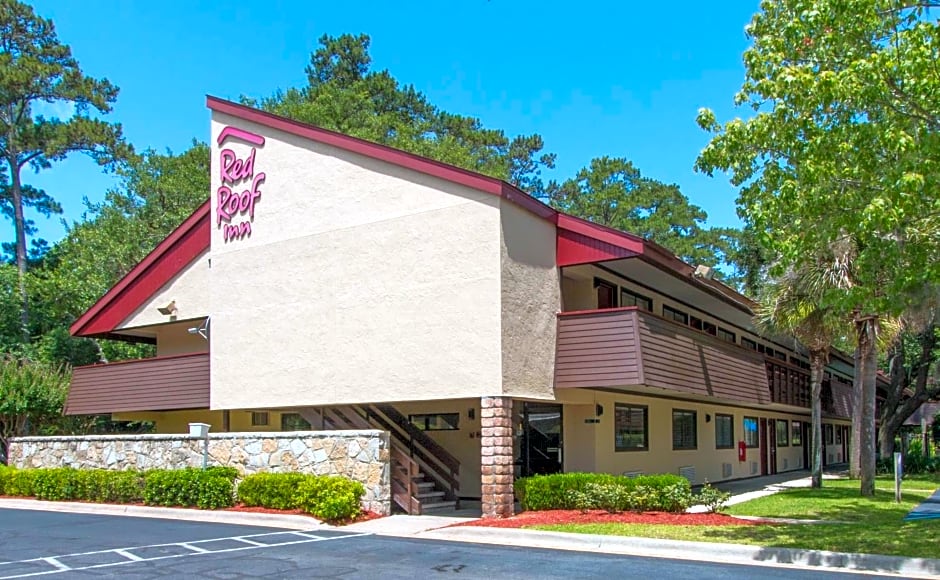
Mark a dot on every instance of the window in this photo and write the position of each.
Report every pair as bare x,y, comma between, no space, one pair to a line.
796,437
628,298
748,343
751,438
783,433
839,435
676,315
606,294
631,431
710,328
259,418
696,323
724,431
726,335
684,427
294,422
781,355
435,421
827,434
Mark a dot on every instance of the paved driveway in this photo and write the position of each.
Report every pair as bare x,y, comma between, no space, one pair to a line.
38,544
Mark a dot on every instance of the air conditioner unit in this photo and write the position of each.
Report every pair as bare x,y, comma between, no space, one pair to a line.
726,470
753,468
632,473
786,463
688,472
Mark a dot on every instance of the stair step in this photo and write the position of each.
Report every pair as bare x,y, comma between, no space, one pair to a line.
424,484
440,505
425,495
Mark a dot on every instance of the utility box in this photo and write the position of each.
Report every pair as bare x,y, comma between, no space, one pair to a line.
199,429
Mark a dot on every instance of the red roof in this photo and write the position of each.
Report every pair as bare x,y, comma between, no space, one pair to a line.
578,241
168,259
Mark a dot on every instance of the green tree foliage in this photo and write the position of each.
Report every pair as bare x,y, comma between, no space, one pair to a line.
36,69
158,191
790,306
612,192
842,144
31,393
343,94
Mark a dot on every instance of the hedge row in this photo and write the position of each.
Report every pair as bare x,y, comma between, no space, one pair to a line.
666,492
207,489
328,498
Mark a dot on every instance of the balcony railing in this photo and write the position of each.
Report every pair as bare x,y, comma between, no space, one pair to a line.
154,384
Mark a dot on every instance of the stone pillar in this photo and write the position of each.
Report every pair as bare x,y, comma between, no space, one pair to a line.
496,456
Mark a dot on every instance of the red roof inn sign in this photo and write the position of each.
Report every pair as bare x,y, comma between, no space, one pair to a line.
237,173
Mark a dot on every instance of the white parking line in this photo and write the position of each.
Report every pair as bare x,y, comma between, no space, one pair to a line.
194,551
128,555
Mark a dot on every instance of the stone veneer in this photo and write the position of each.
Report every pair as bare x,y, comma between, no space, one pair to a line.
496,456
359,455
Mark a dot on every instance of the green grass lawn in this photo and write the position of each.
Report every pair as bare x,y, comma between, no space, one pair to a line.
866,525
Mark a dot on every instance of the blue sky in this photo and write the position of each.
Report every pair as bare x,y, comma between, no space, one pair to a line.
618,78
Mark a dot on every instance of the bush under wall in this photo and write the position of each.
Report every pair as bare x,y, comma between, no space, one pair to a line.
329,498
666,492
190,487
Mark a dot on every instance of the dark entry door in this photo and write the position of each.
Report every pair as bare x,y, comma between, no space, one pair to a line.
807,445
542,439
762,444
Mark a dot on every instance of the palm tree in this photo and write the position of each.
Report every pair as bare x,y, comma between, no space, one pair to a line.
790,306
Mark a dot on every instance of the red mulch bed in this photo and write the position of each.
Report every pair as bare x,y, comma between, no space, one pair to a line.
548,517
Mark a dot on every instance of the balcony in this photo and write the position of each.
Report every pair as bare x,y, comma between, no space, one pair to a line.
622,347
154,384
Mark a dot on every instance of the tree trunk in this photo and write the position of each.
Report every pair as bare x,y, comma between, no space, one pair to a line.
817,366
855,445
867,340
19,226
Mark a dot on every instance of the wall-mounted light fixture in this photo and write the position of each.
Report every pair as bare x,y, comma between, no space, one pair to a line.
708,418
471,413
202,330
168,310
598,410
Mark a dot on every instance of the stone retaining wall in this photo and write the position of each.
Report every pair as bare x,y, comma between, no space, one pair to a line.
359,455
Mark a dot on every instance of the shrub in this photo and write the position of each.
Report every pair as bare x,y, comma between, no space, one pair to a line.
546,492
56,484
188,487
613,493
270,490
20,482
329,498
229,473
5,474
711,498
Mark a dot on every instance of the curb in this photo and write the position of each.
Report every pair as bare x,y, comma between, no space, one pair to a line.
283,521
695,551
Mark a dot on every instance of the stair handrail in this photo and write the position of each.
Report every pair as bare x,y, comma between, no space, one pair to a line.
420,437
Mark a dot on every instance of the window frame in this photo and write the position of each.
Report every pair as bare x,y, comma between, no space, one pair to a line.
786,432
646,426
827,434
727,336
748,343
614,295
260,419
694,416
455,426
673,312
730,418
756,432
796,433
637,298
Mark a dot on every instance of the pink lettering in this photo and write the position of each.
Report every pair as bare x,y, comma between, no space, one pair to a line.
236,232
233,170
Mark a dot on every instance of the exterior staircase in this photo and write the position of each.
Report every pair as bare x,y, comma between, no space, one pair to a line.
424,476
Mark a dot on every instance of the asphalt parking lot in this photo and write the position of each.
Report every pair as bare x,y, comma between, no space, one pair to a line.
37,544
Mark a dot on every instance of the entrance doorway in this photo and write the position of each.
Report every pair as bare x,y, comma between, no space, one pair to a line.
541,438
768,447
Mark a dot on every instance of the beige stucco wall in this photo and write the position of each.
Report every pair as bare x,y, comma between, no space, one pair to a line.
590,447
189,289
531,299
361,281
178,421
173,339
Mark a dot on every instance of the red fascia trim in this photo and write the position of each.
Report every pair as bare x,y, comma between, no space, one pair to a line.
141,360
601,233
598,311
167,260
